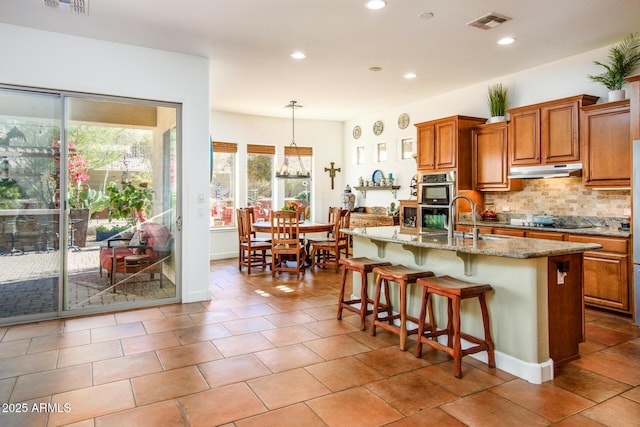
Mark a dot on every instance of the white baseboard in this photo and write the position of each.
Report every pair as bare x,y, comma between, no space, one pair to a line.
535,373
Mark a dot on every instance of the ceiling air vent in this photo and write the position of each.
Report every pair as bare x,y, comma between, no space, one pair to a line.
488,21
78,6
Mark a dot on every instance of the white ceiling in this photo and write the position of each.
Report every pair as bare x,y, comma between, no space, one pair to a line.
249,42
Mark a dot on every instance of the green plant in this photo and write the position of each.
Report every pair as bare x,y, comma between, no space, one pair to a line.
624,59
113,229
498,100
9,192
88,198
129,202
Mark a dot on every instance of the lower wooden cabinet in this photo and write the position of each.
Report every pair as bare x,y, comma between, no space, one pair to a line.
606,273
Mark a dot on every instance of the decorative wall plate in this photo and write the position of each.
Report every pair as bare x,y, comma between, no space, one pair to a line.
357,132
403,121
377,176
378,127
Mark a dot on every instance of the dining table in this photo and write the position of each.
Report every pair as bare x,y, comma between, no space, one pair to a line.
304,227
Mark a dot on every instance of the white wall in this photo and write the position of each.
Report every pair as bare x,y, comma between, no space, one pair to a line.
566,77
324,136
563,78
57,61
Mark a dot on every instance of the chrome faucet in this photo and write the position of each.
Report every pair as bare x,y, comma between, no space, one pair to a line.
474,231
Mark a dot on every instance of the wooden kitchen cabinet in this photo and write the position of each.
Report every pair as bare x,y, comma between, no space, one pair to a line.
606,273
606,135
408,216
548,132
490,161
445,144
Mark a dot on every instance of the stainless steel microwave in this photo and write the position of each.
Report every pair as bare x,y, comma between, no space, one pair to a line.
437,189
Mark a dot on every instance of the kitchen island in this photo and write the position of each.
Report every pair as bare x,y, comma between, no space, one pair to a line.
536,308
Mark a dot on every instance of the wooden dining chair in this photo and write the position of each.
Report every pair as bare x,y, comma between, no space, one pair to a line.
326,252
334,212
252,252
285,243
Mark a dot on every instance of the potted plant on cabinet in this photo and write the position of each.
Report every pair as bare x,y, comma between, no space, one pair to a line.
624,59
498,101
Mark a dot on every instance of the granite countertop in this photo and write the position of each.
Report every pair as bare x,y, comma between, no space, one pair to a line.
502,246
594,231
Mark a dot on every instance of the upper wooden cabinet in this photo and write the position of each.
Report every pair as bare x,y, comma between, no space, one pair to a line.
548,132
445,145
606,143
490,158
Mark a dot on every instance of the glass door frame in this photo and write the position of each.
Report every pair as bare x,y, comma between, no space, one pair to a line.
63,309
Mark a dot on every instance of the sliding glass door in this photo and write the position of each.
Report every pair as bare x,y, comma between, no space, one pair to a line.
29,214
88,204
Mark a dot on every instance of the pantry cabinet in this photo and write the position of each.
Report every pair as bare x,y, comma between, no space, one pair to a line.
606,136
445,144
490,163
547,133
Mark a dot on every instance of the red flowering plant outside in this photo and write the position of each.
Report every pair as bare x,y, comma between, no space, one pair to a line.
78,173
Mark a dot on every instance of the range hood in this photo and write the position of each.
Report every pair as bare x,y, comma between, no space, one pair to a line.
546,171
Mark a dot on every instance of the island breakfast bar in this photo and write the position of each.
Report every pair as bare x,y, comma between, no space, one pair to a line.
536,308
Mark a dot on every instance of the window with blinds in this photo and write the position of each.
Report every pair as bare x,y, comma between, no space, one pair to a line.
260,172
223,183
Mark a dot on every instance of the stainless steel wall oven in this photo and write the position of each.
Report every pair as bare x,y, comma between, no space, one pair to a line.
435,192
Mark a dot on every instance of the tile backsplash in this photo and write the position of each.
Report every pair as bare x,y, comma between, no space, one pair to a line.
561,196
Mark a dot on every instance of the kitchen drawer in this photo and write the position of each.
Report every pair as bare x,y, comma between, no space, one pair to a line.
364,223
547,235
609,244
468,228
509,232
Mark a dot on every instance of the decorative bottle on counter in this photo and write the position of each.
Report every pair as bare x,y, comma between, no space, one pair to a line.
348,199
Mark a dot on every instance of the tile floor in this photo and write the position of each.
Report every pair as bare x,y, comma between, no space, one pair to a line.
267,352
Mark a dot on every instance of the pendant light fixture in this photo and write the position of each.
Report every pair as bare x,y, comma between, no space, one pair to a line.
287,170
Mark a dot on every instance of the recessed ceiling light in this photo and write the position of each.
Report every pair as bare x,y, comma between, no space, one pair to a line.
375,68
506,40
375,4
410,76
425,15
298,55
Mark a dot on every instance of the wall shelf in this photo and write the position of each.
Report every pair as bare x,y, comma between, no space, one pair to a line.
393,188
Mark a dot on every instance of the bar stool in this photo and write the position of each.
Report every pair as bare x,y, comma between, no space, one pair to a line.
44,225
12,224
364,266
455,291
403,276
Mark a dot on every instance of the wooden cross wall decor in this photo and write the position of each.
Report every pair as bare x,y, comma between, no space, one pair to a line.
332,172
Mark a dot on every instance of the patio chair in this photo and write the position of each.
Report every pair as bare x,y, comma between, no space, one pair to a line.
144,251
